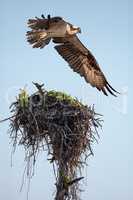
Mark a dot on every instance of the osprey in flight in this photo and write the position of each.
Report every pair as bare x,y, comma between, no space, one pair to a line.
80,59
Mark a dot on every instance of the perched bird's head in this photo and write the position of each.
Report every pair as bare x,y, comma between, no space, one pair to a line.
71,29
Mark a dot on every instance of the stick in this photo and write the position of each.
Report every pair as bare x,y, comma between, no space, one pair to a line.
3,120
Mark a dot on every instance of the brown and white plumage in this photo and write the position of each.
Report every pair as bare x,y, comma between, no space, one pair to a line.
83,62
79,58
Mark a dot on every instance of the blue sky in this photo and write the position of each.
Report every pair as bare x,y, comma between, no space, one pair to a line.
106,31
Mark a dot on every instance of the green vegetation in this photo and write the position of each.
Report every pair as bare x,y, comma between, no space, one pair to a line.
60,124
61,96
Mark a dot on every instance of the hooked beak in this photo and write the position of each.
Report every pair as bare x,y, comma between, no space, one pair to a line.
79,29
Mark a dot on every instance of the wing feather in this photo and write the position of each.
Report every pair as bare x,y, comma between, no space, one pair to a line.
71,49
86,65
38,23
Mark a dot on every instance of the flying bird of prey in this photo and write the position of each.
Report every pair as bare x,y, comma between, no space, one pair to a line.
79,58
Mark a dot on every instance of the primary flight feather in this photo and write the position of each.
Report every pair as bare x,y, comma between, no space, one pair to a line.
79,58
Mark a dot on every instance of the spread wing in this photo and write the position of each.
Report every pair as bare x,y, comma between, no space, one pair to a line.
43,29
38,27
82,61
37,23
42,23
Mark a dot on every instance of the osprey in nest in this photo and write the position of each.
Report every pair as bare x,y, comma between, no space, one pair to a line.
80,59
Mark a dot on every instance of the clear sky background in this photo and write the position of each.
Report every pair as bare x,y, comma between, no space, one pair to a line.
105,31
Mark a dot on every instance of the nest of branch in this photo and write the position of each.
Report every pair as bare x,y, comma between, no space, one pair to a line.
61,124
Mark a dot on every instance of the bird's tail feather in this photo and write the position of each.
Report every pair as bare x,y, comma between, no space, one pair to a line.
38,38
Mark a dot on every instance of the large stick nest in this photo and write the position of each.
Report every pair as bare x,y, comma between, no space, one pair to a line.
64,126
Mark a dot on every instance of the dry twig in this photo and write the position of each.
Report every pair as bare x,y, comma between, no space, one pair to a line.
64,126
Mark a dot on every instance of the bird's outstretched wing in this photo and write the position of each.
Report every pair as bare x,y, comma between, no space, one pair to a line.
43,29
82,61
37,23
42,23
38,27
